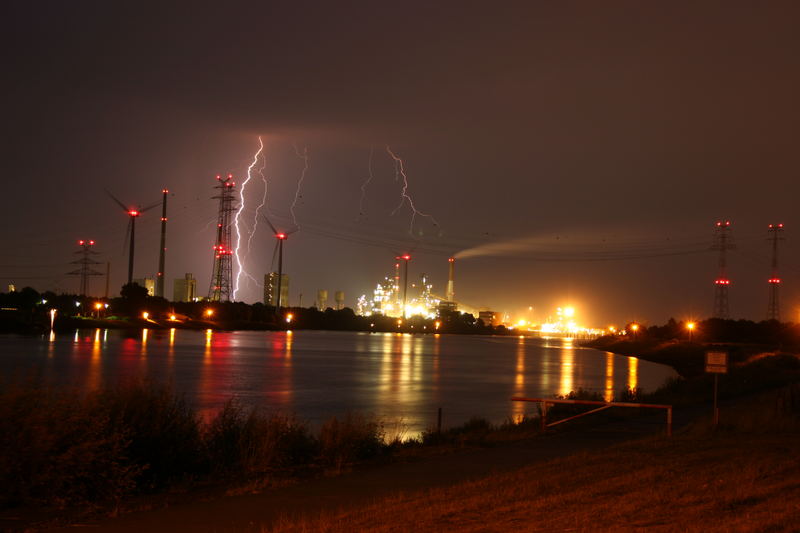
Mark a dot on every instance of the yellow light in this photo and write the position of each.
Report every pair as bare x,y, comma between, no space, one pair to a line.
145,315
172,317
289,317
209,312
521,323
691,325
437,324
569,311
612,329
634,327
98,306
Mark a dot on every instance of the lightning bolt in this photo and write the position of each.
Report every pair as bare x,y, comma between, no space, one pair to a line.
304,157
262,204
400,172
240,270
364,185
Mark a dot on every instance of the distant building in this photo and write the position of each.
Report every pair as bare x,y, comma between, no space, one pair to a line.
184,289
322,299
489,318
445,306
339,299
271,289
12,287
147,283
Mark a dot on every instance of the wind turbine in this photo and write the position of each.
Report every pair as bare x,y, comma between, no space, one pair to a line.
133,213
280,236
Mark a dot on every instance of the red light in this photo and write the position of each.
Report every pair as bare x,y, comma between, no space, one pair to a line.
775,280
91,243
723,282
281,236
163,219
452,259
80,243
407,257
133,213
165,191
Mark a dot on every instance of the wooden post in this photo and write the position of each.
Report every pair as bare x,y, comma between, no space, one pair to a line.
439,421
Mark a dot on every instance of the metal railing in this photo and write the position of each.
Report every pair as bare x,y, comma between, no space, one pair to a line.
603,406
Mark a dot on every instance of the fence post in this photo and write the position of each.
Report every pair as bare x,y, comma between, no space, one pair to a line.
669,421
543,416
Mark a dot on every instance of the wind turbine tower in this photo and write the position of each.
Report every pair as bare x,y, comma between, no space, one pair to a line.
163,250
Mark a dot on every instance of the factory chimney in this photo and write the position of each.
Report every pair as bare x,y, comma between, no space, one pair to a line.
451,292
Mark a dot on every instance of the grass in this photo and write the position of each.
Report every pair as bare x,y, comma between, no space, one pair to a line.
738,478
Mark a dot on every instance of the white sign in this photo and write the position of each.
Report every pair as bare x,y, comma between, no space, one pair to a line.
717,362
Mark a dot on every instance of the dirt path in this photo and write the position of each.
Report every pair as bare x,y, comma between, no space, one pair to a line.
255,512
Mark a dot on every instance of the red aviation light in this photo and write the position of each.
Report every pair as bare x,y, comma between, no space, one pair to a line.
165,191
451,260
775,280
406,257
91,243
133,213
280,236
723,282
163,219
80,242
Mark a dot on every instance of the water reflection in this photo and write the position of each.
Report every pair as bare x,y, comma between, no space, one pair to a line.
609,394
518,411
633,373
94,376
567,379
320,374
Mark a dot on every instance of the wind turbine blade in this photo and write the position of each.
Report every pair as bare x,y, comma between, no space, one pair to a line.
123,206
270,224
149,207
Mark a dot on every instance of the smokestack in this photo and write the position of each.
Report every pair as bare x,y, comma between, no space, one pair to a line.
451,291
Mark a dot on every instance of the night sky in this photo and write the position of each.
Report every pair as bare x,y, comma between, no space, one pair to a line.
585,149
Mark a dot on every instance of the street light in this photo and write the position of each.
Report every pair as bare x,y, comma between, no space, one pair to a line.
634,329
690,326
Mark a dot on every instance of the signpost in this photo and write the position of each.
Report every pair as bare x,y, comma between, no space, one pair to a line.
716,363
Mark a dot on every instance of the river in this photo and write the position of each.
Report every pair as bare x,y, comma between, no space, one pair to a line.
319,374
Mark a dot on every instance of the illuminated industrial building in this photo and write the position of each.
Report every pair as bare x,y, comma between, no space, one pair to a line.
147,283
184,289
271,288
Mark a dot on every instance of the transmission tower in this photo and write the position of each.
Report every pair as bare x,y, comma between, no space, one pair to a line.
722,243
774,307
85,265
222,273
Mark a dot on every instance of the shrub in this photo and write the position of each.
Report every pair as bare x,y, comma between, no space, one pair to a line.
353,438
240,442
58,448
162,430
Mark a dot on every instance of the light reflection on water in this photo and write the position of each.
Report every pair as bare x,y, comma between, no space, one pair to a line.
316,374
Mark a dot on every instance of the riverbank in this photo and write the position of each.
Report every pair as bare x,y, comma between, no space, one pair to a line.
738,477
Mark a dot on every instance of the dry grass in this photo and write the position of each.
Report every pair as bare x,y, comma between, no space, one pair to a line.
721,482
